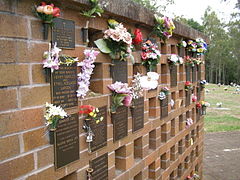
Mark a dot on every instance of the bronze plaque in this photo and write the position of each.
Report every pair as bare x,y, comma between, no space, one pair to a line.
188,73
181,51
99,130
120,123
66,146
119,71
164,107
188,97
194,74
138,114
64,86
199,72
100,168
198,93
173,75
198,114
63,33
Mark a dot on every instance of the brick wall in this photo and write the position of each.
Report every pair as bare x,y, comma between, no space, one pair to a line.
161,150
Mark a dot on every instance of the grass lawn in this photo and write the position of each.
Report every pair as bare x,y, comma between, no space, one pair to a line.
226,119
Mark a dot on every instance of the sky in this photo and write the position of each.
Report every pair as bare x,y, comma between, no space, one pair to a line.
195,8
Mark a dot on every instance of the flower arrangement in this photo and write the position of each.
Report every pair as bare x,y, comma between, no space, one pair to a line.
189,61
46,12
95,9
91,112
174,59
194,98
191,46
53,114
150,55
188,86
52,59
203,83
182,44
87,66
189,122
198,105
164,27
205,104
163,93
201,46
137,37
117,41
137,90
150,81
121,95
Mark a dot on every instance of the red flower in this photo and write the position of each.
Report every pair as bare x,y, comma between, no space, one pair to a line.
188,83
86,109
144,55
56,12
138,36
198,105
43,4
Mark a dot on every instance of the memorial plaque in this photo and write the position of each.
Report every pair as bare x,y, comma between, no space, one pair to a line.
188,73
100,168
63,33
66,146
181,51
64,86
198,114
119,71
120,123
164,107
138,114
173,75
194,73
99,130
188,98
199,72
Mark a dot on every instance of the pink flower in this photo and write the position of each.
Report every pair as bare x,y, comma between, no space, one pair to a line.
127,101
194,98
48,9
56,12
120,88
144,55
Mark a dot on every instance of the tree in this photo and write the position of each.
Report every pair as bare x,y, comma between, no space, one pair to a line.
190,22
155,5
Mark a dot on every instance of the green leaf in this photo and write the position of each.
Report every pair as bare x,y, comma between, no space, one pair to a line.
102,46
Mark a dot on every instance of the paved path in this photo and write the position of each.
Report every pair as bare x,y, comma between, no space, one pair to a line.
222,156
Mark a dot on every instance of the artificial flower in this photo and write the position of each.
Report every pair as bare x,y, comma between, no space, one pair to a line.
137,90
127,100
91,112
150,55
87,66
137,36
189,122
47,12
150,81
194,98
162,96
188,86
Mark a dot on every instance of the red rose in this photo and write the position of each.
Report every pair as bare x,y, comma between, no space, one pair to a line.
86,109
198,105
56,12
138,36
187,83
144,55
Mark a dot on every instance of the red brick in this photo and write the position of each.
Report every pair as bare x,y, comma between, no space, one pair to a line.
6,5
13,26
9,147
37,29
35,96
34,139
31,52
45,157
8,51
9,99
13,74
20,120
16,167
38,74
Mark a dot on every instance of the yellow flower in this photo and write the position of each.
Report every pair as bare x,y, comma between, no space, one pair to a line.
113,22
97,110
91,114
97,121
101,118
48,9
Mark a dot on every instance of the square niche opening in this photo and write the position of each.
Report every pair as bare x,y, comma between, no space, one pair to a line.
93,35
173,49
152,171
173,97
163,48
164,74
181,72
120,160
153,139
173,127
138,176
138,148
181,123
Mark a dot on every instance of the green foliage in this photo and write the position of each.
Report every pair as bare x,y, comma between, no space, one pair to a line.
102,46
155,5
95,9
117,101
190,22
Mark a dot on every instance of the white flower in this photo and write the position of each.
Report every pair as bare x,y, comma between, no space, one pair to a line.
173,58
153,75
172,102
184,44
180,60
162,96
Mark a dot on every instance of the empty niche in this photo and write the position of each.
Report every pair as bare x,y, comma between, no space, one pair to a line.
197,133
186,162
138,148
152,139
163,48
180,147
173,49
173,128
192,156
93,35
173,75
164,136
152,171
187,141
164,72
139,68
164,164
171,177
138,176
173,153
120,165
181,97
193,135
193,114
153,110
197,168
180,170
197,151
181,123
